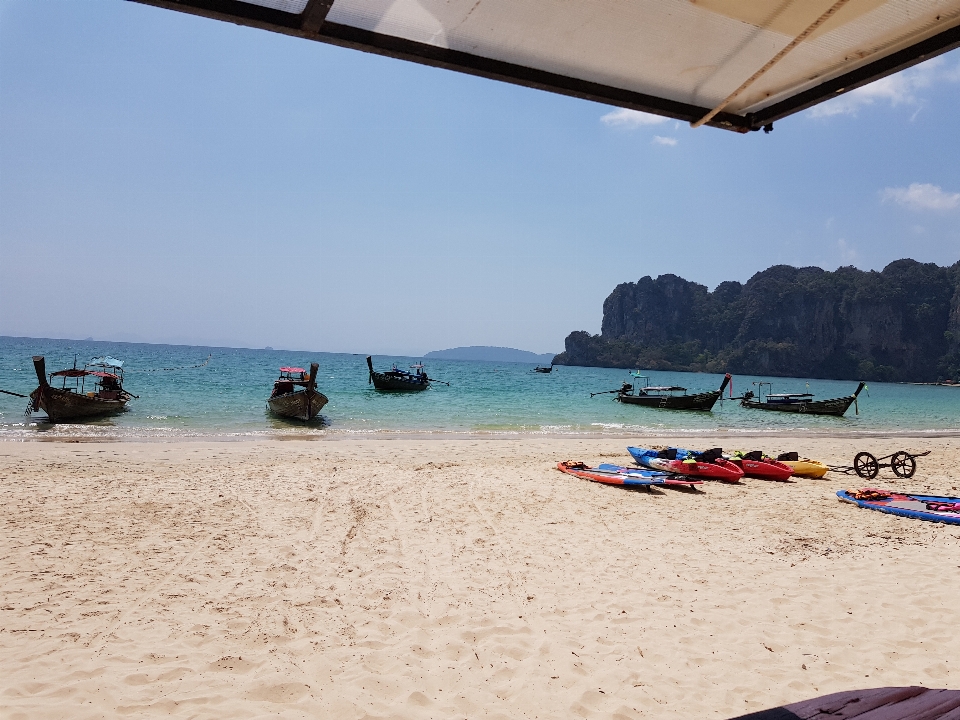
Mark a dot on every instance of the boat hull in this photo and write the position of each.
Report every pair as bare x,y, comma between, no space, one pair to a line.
836,407
61,405
302,405
382,381
700,401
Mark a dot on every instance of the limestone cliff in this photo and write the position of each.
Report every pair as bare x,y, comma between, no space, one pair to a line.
902,323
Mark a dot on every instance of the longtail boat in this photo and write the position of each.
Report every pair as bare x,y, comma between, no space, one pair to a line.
666,397
75,402
800,402
295,394
398,380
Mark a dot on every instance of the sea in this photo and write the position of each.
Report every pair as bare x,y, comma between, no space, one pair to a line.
225,398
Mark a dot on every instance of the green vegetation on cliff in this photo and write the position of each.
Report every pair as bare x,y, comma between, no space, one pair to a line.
900,324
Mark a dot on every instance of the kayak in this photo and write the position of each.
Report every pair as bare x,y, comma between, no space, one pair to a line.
668,478
685,462
921,507
756,465
637,478
807,468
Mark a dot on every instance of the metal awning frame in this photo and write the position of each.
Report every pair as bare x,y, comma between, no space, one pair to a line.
311,24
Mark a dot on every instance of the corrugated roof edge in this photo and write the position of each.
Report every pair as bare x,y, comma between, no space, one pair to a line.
311,25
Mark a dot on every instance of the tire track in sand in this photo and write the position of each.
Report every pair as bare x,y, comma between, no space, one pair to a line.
147,594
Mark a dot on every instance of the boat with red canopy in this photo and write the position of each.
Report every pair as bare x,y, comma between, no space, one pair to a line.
72,400
295,394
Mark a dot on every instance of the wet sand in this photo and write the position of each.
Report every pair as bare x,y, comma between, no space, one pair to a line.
417,578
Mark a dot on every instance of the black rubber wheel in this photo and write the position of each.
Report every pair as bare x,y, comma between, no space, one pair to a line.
866,465
903,464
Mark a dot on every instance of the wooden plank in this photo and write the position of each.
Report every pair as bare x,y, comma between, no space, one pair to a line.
314,14
851,703
930,705
952,715
777,713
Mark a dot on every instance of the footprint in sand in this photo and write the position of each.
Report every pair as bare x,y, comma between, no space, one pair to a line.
279,693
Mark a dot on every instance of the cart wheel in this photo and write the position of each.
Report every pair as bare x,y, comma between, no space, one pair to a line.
866,465
903,464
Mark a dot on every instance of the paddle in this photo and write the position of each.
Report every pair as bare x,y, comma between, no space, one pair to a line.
7,392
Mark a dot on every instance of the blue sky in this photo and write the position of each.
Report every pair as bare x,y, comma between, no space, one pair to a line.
167,178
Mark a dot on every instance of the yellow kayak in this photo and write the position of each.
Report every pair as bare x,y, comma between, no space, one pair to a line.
807,468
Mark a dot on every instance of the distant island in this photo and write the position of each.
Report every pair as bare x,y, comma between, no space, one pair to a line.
900,324
490,354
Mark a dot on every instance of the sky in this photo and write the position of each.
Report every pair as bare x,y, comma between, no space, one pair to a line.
168,178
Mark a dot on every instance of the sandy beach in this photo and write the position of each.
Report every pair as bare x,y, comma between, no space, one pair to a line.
465,578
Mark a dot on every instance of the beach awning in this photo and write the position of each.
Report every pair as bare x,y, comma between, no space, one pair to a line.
749,62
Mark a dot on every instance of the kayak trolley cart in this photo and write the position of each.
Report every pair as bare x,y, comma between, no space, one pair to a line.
867,466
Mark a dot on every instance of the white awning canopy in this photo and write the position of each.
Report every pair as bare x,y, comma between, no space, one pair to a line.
678,58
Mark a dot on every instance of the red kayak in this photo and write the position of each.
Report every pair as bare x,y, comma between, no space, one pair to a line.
765,469
686,464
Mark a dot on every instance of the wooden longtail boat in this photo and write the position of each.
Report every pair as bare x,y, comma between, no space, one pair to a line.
75,403
288,402
398,380
539,369
801,403
666,397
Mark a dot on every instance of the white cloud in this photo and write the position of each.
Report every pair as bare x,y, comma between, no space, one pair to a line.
899,89
660,140
921,196
631,119
848,253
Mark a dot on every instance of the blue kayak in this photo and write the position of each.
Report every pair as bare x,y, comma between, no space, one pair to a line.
655,477
687,462
933,508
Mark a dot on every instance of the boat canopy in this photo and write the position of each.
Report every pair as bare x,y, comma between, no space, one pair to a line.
733,64
789,395
75,373
665,388
292,370
106,361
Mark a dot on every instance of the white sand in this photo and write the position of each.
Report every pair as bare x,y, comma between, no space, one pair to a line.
454,579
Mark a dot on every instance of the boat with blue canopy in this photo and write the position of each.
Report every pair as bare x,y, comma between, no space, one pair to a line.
73,400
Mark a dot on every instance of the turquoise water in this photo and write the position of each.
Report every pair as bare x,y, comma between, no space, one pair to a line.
226,398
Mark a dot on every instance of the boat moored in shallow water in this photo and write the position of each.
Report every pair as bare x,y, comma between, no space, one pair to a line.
800,402
672,397
72,400
395,380
295,394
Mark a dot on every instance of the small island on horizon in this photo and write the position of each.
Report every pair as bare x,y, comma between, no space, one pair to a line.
487,353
